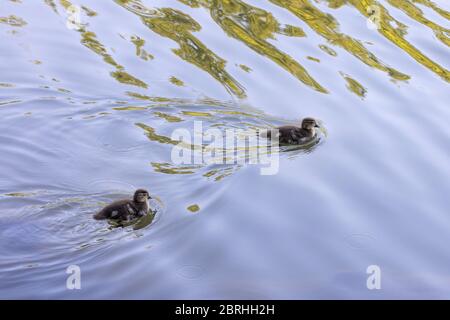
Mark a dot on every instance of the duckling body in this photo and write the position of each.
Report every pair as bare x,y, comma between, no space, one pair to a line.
126,210
297,135
294,135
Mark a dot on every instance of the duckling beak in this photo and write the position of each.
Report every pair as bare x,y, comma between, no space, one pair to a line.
316,126
149,197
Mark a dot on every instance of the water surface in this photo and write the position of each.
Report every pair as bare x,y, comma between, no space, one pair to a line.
87,111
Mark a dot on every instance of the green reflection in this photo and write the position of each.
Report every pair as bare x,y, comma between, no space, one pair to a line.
89,12
259,30
223,172
168,117
313,59
20,194
176,81
197,114
140,52
193,208
328,27
90,41
168,168
52,4
126,78
13,21
415,13
328,50
253,26
137,224
130,108
148,98
432,5
151,134
354,86
396,36
245,68
178,26
204,158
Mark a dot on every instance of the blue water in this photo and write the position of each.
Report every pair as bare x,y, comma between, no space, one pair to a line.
83,113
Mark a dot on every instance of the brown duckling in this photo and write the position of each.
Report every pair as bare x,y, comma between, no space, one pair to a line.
126,210
297,135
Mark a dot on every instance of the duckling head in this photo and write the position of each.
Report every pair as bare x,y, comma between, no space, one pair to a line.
141,196
309,124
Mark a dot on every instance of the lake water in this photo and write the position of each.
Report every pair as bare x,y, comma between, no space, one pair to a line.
91,92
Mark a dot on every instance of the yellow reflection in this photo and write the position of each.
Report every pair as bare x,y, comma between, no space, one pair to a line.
89,12
253,26
193,208
197,114
13,21
52,4
148,98
167,117
432,5
140,52
176,81
227,159
124,77
328,27
130,108
168,168
313,59
391,33
354,86
415,13
178,26
153,136
245,68
90,41
328,50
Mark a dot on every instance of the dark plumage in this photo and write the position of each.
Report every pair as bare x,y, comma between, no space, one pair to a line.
296,135
126,210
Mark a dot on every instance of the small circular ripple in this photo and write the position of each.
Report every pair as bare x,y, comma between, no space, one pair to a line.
359,241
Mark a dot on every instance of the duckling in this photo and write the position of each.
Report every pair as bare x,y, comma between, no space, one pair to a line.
296,135
126,210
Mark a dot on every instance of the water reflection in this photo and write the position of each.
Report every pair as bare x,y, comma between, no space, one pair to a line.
253,26
328,27
416,13
137,224
245,147
90,41
13,21
87,116
396,34
179,26
354,86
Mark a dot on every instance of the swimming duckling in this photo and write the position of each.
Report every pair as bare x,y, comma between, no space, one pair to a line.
126,210
296,135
